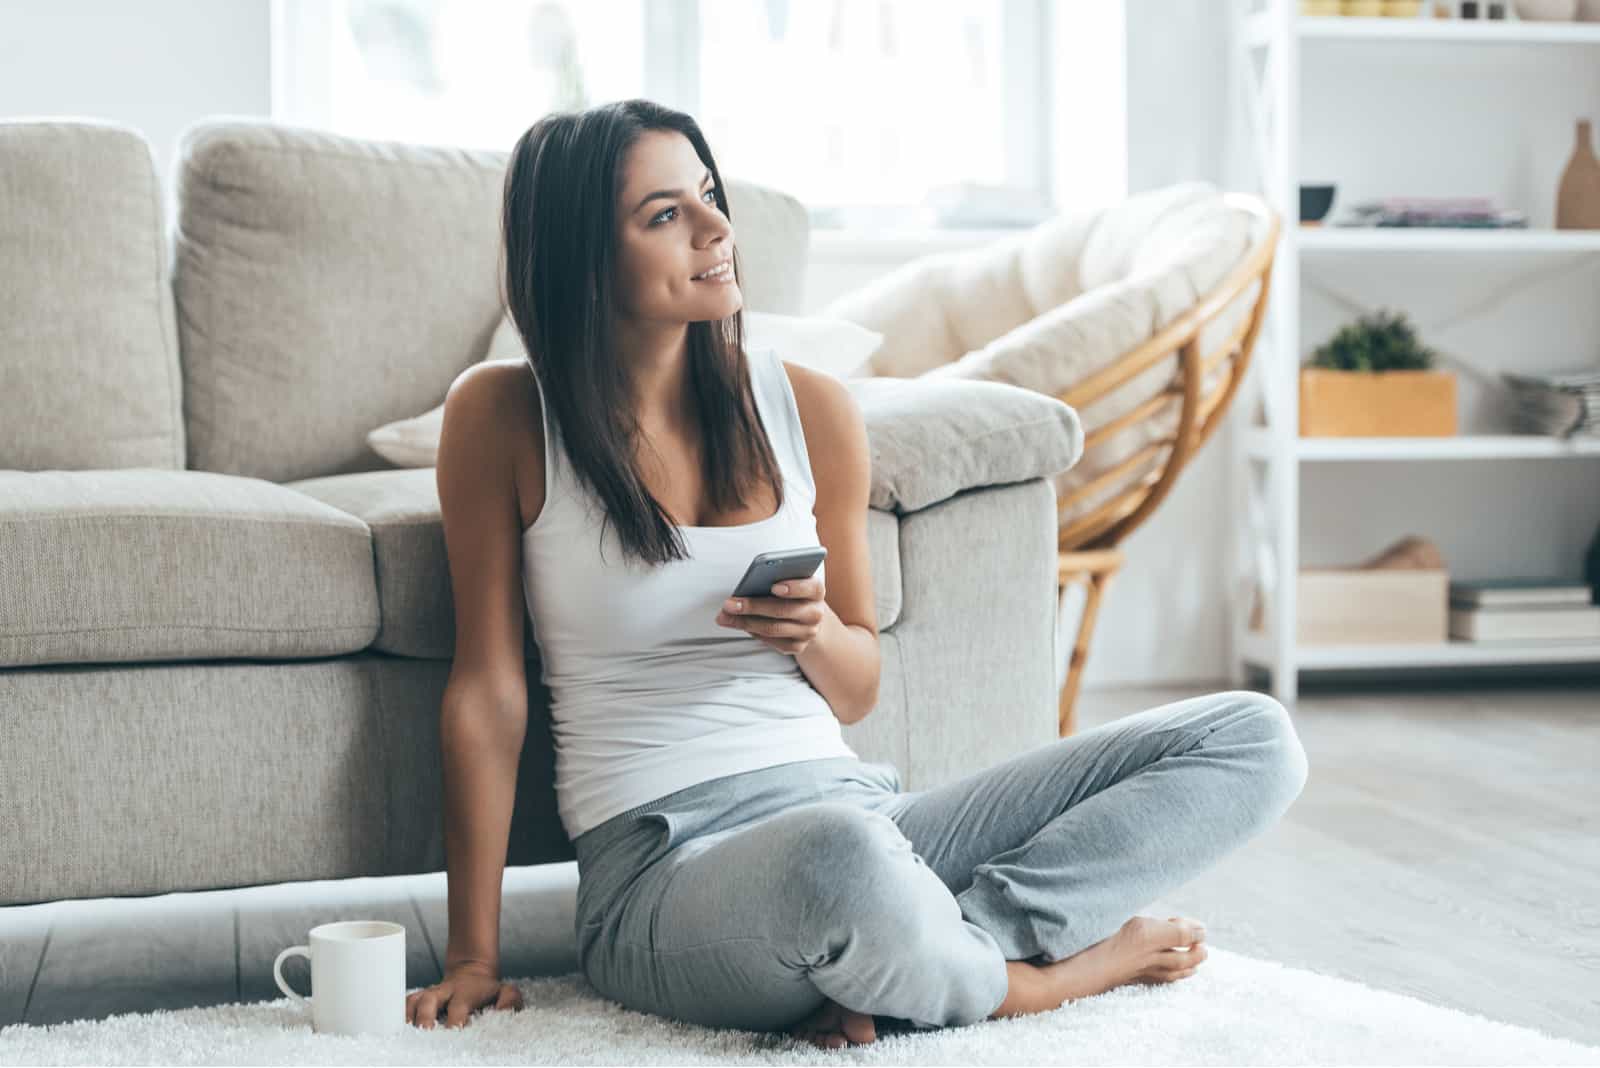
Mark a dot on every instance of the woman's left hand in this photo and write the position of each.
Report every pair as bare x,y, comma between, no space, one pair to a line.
788,621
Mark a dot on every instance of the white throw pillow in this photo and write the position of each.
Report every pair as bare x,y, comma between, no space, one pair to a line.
835,346
414,442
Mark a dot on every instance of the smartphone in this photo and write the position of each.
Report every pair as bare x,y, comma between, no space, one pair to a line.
769,568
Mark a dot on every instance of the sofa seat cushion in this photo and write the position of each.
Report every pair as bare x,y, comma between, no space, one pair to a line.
416,609
417,606
146,564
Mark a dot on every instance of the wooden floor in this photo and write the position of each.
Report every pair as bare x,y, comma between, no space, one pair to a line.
1446,846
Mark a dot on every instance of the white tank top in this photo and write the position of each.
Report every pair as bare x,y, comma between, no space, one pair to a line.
648,694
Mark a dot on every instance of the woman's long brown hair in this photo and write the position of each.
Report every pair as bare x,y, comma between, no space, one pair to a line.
558,227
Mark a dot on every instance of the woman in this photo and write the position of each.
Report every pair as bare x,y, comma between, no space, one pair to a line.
738,864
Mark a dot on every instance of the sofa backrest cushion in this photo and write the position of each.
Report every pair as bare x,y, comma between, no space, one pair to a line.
322,283
327,285
88,353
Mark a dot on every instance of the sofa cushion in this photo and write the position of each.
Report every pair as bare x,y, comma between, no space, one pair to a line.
417,605
327,285
143,564
401,509
931,439
88,353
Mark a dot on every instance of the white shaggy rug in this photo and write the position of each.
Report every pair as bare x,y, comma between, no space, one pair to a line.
1234,1010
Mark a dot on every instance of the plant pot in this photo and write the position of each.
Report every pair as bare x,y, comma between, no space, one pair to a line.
1382,404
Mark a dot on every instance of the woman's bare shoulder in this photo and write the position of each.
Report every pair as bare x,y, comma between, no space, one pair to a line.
514,419
824,402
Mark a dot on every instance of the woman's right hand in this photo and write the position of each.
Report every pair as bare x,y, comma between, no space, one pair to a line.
465,989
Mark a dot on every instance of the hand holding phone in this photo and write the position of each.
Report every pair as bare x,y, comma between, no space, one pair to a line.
788,622
768,568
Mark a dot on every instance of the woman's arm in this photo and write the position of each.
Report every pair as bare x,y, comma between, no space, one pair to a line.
484,714
829,625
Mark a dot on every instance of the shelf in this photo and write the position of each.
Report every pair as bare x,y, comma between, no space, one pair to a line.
1462,447
1474,91
1397,239
1447,654
1451,31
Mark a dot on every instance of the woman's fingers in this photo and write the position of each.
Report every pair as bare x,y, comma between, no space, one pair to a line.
424,1010
775,608
773,628
806,589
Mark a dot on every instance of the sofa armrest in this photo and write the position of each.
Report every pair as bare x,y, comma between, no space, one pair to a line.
931,439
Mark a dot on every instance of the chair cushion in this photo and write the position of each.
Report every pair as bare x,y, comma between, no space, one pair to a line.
143,564
1149,260
327,285
1050,307
401,508
88,351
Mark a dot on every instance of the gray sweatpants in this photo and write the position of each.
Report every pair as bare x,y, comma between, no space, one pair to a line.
746,900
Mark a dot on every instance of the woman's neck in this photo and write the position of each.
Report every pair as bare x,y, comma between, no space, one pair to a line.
658,375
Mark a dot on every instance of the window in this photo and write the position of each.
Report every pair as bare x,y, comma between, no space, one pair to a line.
470,73
874,113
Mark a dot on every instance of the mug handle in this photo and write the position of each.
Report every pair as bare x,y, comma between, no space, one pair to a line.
277,974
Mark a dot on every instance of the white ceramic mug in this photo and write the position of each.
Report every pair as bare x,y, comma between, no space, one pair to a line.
358,977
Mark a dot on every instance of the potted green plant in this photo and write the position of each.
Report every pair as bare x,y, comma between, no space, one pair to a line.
1375,378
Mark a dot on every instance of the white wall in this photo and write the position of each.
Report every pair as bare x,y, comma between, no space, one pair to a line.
156,65
1165,616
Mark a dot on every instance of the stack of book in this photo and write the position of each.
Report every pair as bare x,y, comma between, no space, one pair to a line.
1526,609
1452,212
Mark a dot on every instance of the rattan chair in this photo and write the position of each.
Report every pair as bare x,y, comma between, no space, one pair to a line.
1142,316
1089,544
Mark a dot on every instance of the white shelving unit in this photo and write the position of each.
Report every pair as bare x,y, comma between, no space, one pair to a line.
1275,50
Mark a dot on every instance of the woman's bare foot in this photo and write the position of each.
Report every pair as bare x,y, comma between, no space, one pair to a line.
833,1026
1144,950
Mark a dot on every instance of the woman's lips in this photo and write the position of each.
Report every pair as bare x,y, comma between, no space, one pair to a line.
721,276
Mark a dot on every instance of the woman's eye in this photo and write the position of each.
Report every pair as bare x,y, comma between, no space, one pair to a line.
712,192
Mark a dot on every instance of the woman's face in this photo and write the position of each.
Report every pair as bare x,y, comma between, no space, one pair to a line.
670,229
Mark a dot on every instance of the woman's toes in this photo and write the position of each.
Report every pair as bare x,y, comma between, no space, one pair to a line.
859,1027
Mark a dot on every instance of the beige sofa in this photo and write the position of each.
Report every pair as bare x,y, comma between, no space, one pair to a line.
226,624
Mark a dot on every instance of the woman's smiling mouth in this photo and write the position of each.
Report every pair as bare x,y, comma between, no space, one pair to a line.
722,272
